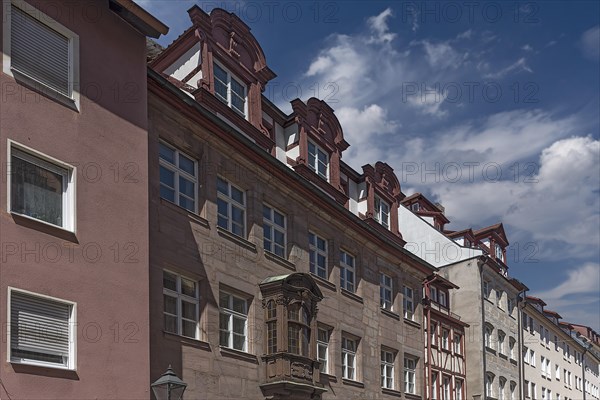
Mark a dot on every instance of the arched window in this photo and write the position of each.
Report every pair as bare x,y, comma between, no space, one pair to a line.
298,329
271,327
489,382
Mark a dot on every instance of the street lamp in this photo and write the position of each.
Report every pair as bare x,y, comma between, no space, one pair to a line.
168,386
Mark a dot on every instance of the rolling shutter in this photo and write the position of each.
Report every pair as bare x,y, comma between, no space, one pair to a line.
39,328
39,51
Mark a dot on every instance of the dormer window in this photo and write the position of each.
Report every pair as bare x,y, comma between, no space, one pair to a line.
318,160
382,212
415,207
230,90
467,243
499,253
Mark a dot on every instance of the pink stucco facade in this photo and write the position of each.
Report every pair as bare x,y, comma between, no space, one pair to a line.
103,265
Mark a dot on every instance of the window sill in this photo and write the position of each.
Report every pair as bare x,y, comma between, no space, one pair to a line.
46,91
503,356
352,296
513,361
490,350
279,260
412,396
239,355
44,370
390,314
199,344
391,392
350,382
326,378
323,282
412,323
240,241
184,211
45,227
42,365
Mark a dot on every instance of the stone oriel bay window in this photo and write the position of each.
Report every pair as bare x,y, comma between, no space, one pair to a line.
291,357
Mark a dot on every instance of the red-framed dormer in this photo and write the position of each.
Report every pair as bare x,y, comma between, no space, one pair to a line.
220,63
423,207
493,240
315,150
464,237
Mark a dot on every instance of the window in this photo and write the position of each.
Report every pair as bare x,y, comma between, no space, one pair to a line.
544,394
543,365
457,343
510,305
41,330
533,390
408,303
488,336
548,369
556,344
382,212
180,309
318,160
178,177
434,386
42,53
445,339
442,300
233,320
458,389
414,206
499,298
513,390
527,389
271,327
42,188
298,329
409,374
526,355
274,231
385,291
511,345
231,208
433,333
547,337
230,90
446,388
499,254
501,338
349,358
501,386
486,289
489,382
532,357
318,255
323,349
347,271
541,333
387,369
433,293
557,372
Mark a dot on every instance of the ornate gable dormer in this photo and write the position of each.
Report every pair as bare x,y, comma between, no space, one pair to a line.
493,240
221,63
318,145
423,207
383,196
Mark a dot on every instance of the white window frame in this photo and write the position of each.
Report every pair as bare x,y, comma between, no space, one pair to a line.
445,338
501,339
486,289
410,367
442,299
349,358
384,289
313,248
69,214
408,303
381,215
179,297
228,100
347,265
457,343
501,387
489,384
313,159
511,345
499,253
72,101
489,331
458,389
324,346
270,224
177,171
72,356
499,294
446,387
387,369
231,203
231,314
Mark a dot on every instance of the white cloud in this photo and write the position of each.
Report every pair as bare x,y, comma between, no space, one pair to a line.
526,47
379,26
590,43
465,35
519,65
442,55
582,280
428,101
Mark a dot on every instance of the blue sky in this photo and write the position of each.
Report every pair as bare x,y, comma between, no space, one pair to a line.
491,108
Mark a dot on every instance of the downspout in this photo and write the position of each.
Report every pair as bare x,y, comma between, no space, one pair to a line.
480,264
427,323
520,306
583,370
